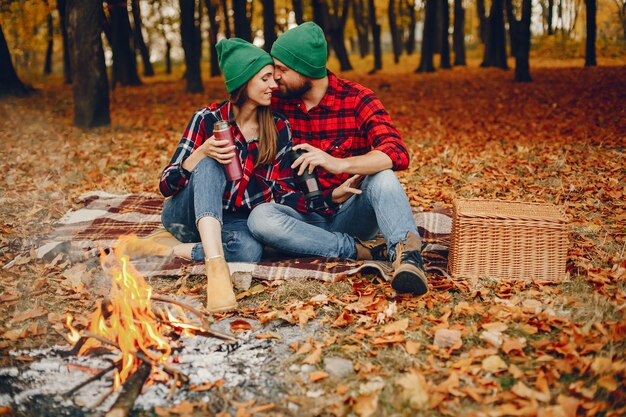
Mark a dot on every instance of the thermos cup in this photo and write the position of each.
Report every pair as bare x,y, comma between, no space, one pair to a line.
221,131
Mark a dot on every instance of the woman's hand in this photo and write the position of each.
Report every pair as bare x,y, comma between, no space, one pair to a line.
219,150
212,148
349,188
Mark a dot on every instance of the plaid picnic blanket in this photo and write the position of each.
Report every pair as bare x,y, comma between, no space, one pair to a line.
82,234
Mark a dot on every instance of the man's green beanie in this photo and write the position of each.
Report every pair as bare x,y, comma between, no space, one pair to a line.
240,61
303,49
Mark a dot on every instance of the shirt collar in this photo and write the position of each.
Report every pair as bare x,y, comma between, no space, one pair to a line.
328,101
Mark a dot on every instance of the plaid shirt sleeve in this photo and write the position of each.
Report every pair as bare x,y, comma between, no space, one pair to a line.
174,176
376,124
284,186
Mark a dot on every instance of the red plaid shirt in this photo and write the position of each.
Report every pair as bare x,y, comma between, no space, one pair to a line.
349,121
258,185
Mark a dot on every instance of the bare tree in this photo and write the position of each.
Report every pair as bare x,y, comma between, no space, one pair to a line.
621,13
10,84
67,69
298,11
192,45
360,24
495,47
243,29
482,20
90,85
139,43
124,61
519,32
226,19
590,43
458,38
396,42
47,66
337,17
212,8
378,59
428,37
269,24
410,39
444,27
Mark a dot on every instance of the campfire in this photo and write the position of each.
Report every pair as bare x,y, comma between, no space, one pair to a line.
129,324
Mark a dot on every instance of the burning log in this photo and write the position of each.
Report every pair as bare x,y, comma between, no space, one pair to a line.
130,391
140,355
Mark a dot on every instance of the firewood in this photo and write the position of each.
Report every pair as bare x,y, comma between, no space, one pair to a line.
130,391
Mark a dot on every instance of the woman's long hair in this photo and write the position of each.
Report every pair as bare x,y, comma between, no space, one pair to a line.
268,134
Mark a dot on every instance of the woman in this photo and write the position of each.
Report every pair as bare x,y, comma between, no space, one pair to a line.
207,212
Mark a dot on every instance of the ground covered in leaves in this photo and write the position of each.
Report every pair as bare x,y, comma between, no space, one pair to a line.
500,348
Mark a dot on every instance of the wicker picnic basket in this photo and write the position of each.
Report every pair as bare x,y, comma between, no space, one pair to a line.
502,239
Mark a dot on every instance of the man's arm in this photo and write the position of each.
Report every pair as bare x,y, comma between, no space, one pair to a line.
370,163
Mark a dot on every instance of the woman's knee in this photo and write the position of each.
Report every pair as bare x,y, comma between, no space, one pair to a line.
209,166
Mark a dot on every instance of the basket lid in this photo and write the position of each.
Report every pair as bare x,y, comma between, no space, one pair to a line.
498,209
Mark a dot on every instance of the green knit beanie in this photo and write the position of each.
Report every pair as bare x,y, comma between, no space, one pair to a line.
239,61
303,49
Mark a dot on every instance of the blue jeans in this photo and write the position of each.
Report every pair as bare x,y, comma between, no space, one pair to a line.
383,206
203,197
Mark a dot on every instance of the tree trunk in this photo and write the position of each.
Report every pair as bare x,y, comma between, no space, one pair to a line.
139,42
10,84
590,43
458,39
320,13
428,37
519,31
482,20
191,46
47,66
495,48
396,42
242,24
67,69
90,86
378,59
298,11
168,44
550,17
269,24
410,40
212,9
226,19
444,9
362,32
124,62
336,23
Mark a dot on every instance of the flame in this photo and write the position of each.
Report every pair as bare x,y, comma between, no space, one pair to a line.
127,321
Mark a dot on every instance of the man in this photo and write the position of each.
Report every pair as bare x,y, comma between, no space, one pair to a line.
353,146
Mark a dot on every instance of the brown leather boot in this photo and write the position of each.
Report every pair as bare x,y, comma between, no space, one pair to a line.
409,276
370,250
220,296
158,243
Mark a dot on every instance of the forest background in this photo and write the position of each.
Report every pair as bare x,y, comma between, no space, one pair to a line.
551,128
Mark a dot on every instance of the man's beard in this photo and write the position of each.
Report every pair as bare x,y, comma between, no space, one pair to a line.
294,92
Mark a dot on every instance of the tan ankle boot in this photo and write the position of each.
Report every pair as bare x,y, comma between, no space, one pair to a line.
220,296
409,272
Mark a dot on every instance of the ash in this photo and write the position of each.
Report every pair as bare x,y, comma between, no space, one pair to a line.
250,368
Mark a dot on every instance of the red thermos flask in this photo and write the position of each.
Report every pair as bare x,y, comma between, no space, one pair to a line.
221,131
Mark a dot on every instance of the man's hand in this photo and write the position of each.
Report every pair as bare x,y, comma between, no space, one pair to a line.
349,188
315,157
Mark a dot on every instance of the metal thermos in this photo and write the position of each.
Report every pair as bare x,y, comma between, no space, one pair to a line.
221,131
307,183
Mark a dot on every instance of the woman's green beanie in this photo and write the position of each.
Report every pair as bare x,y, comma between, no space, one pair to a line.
239,61
303,49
